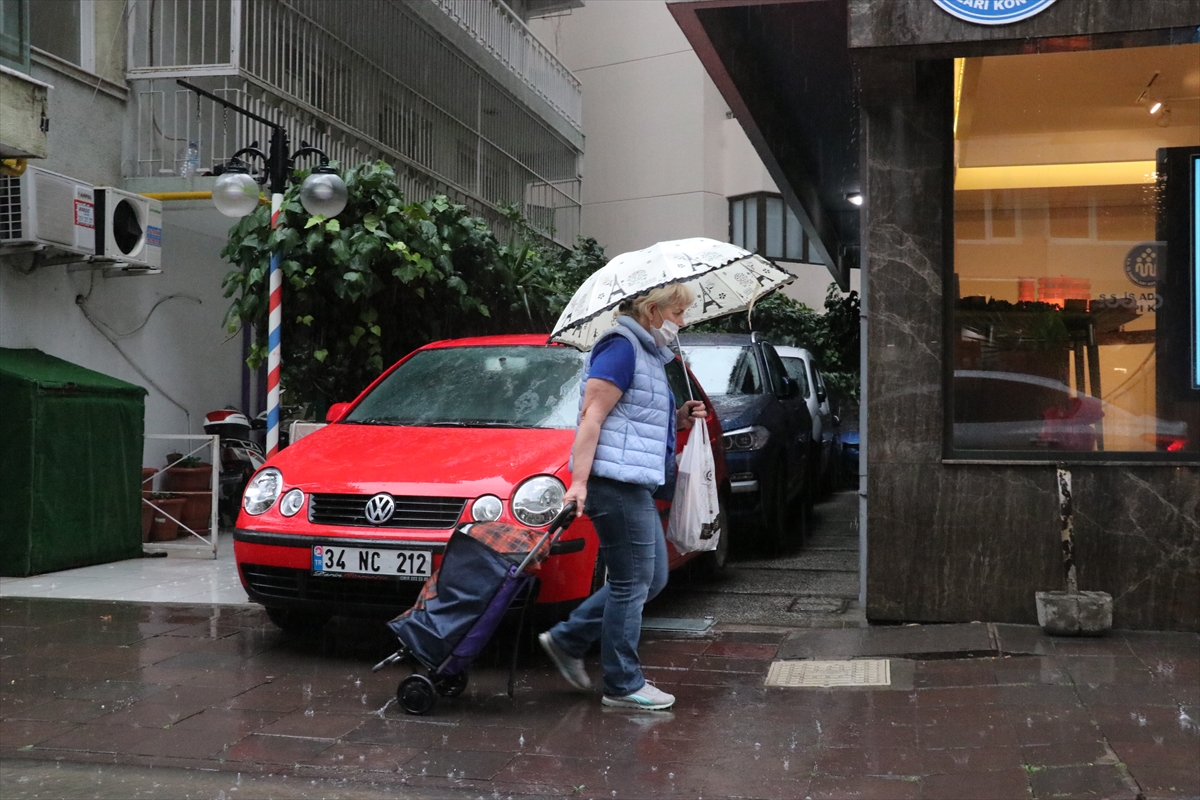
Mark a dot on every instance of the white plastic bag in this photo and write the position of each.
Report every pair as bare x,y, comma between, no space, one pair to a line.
694,511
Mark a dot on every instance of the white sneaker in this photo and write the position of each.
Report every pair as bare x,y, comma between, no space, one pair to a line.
647,698
571,668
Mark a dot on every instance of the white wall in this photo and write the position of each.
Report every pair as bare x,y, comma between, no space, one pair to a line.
662,153
178,342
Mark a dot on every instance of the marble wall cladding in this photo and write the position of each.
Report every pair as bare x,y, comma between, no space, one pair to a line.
906,168
961,542
887,23
1137,537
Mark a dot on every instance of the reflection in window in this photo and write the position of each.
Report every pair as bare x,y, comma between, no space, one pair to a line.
725,370
1060,252
54,27
509,387
14,34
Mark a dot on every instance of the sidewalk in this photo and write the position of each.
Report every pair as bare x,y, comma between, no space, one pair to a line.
972,711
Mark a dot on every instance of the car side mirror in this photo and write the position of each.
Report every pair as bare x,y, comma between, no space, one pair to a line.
789,389
821,395
336,412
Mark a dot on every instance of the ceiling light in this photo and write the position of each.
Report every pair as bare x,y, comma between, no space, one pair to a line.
854,198
1157,105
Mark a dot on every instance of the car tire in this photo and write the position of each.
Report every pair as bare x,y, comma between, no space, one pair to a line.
298,623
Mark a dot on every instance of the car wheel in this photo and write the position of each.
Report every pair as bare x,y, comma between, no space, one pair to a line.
713,562
298,623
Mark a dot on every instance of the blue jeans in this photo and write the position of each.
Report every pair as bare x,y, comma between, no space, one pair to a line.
634,549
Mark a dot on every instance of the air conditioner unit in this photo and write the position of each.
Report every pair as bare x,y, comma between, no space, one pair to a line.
41,209
128,228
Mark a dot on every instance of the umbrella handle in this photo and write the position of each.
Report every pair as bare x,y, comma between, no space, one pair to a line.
686,379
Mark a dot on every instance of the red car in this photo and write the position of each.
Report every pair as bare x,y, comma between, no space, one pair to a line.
353,518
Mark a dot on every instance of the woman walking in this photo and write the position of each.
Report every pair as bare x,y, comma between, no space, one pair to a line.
624,452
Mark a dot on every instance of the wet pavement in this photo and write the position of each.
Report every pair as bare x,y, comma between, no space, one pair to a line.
124,699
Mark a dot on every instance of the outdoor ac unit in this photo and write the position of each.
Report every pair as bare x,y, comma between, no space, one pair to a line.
128,228
41,209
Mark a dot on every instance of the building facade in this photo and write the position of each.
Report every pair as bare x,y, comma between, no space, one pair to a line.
666,159
458,95
1028,242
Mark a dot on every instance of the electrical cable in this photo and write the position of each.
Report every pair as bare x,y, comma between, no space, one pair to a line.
80,301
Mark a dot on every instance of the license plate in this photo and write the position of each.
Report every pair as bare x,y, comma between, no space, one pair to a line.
408,564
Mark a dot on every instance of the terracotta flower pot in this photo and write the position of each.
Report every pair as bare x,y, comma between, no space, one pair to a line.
163,528
195,484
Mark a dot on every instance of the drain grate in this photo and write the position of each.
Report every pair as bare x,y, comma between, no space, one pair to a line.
860,672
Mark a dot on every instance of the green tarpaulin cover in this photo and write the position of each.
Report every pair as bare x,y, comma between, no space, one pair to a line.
70,465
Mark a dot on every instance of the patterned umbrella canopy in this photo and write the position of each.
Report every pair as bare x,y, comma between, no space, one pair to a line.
725,278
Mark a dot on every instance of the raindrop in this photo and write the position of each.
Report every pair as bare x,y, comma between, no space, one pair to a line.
364,699
1185,722
1158,740
1141,719
654,767
358,682
521,740
362,757
445,738
308,712
671,775
786,765
757,746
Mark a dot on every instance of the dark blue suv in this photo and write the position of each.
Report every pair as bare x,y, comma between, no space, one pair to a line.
767,432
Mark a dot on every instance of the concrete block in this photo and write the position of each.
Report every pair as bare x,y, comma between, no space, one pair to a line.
1074,613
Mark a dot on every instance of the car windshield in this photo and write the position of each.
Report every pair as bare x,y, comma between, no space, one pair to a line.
725,370
506,386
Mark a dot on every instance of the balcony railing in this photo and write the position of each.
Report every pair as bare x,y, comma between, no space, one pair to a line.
360,86
503,34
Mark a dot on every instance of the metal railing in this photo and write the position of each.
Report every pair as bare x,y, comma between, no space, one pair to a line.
506,36
360,86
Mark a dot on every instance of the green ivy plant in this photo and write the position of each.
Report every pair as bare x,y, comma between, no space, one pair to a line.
386,276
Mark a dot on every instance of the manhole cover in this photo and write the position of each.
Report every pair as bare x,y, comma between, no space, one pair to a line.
862,672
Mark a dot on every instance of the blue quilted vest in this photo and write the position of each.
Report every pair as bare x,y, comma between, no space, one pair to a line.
637,438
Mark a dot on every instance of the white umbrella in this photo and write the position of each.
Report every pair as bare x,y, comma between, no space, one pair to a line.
725,278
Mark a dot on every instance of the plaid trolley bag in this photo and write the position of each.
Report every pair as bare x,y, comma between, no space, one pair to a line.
486,567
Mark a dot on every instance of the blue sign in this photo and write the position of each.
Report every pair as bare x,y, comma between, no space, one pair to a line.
1141,263
993,12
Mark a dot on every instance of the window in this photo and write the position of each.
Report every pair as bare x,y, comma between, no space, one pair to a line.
14,34
1067,295
64,28
762,223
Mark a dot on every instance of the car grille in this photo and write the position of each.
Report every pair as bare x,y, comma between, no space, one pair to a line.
282,583
437,513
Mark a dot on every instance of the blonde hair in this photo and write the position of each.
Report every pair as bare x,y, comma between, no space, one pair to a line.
669,295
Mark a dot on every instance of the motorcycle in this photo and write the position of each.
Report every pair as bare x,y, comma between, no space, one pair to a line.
241,457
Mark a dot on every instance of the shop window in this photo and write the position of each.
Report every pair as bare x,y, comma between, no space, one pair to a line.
14,34
762,223
1075,275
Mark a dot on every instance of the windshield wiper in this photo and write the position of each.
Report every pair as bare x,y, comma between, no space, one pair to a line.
373,421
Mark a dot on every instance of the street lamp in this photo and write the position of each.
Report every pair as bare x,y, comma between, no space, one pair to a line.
235,194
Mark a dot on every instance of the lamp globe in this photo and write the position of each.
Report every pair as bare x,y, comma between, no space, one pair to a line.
235,194
324,193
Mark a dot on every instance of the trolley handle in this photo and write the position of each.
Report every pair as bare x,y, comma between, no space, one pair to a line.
557,525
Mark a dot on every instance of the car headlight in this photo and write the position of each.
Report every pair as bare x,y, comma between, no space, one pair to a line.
262,491
487,508
745,439
538,500
291,503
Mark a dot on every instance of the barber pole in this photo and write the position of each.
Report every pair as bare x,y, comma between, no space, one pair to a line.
274,321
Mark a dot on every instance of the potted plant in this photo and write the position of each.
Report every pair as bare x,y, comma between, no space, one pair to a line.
168,507
191,479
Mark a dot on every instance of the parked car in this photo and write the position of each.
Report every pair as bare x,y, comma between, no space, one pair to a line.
768,432
1015,411
802,365
353,518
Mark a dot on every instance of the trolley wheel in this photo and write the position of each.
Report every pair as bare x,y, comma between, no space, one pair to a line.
416,695
451,685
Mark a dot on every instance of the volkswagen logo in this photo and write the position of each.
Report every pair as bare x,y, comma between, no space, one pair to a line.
380,508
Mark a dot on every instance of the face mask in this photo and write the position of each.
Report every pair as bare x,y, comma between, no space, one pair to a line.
666,334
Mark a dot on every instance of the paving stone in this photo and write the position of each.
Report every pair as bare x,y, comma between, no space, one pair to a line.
1084,781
